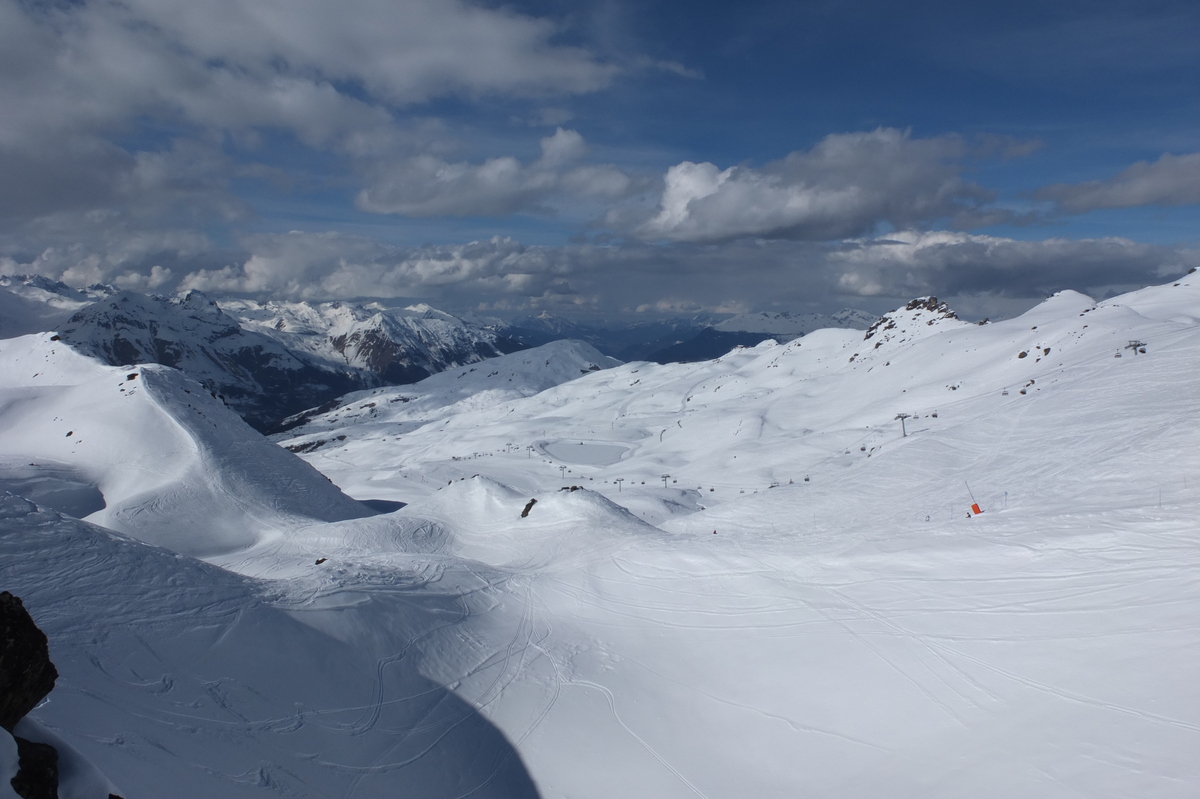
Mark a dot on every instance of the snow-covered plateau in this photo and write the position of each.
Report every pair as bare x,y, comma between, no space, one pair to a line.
744,577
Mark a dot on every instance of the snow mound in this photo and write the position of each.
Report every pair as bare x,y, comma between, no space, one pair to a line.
501,526
172,464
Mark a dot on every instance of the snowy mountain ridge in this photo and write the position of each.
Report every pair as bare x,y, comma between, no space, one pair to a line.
268,360
395,346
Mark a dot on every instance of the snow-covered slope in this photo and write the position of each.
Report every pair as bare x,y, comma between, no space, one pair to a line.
180,679
147,451
485,384
735,578
851,631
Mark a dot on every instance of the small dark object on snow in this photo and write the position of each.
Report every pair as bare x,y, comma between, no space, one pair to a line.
570,488
132,376
56,338
26,673
69,434
321,560
528,507
1022,354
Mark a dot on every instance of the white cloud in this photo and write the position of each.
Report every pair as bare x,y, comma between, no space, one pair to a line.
431,186
77,75
241,63
330,265
846,185
1171,180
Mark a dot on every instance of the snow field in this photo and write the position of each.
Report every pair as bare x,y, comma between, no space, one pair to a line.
855,633
182,681
829,640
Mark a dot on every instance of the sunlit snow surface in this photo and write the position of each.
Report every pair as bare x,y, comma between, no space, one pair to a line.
769,591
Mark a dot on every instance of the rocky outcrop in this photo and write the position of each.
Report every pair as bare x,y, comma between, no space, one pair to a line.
37,776
26,677
26,673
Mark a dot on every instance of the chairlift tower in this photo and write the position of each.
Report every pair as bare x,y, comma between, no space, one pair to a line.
1136,346
902,417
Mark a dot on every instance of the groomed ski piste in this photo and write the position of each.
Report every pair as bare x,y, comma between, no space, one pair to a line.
741,577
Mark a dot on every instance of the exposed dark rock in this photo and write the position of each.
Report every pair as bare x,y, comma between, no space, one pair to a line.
37,774
26,673
930,304
528,507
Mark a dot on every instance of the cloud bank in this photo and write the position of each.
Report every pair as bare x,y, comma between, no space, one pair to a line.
993,274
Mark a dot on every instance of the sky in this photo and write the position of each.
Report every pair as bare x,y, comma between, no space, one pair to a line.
607,158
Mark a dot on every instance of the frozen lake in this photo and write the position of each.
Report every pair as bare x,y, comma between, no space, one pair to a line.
585,454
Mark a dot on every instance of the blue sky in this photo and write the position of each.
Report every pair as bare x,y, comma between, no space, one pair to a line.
603,158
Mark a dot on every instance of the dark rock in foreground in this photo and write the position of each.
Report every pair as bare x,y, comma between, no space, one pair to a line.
37,777
26,673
